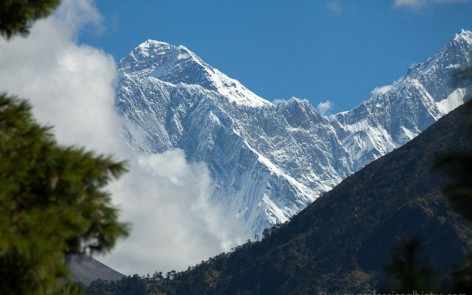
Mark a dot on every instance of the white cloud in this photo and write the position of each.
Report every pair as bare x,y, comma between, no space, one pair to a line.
164,197
77,14
408,3
417,4
278,101
324,107
334,7
174,224
381,90
70,86
385,88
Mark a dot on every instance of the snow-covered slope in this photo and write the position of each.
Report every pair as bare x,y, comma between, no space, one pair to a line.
177,64
399,112
269,160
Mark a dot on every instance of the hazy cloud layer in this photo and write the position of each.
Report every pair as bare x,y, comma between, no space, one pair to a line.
164,197
334,7
416,4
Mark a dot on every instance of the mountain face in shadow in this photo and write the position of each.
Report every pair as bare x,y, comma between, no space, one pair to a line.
86,270
342,241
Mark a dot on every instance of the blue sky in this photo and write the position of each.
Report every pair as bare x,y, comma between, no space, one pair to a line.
318,50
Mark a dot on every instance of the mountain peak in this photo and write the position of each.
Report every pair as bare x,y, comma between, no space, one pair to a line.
465,35
152,43
177,64
157,54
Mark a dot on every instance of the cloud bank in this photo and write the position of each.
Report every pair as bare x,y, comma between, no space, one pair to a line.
174,224
164,197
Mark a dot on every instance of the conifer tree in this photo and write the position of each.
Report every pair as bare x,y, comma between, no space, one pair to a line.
407,272
52,203
458,192
17,16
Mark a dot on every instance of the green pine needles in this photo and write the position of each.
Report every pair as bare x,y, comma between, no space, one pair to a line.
17,16
53,203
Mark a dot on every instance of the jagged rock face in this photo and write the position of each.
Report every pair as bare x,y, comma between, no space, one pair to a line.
270,160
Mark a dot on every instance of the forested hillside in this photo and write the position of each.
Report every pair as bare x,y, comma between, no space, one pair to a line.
344,239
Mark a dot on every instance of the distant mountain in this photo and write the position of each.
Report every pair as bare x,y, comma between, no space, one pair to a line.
269,160
341,242
86,270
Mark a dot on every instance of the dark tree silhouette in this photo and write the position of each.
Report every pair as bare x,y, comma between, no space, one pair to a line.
17,16
52,203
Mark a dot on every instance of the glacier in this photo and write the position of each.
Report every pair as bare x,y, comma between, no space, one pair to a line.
269,160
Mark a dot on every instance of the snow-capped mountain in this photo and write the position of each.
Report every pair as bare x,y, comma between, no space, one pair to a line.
269,160
399,112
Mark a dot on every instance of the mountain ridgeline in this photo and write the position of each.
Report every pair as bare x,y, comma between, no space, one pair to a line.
343,240
269,160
